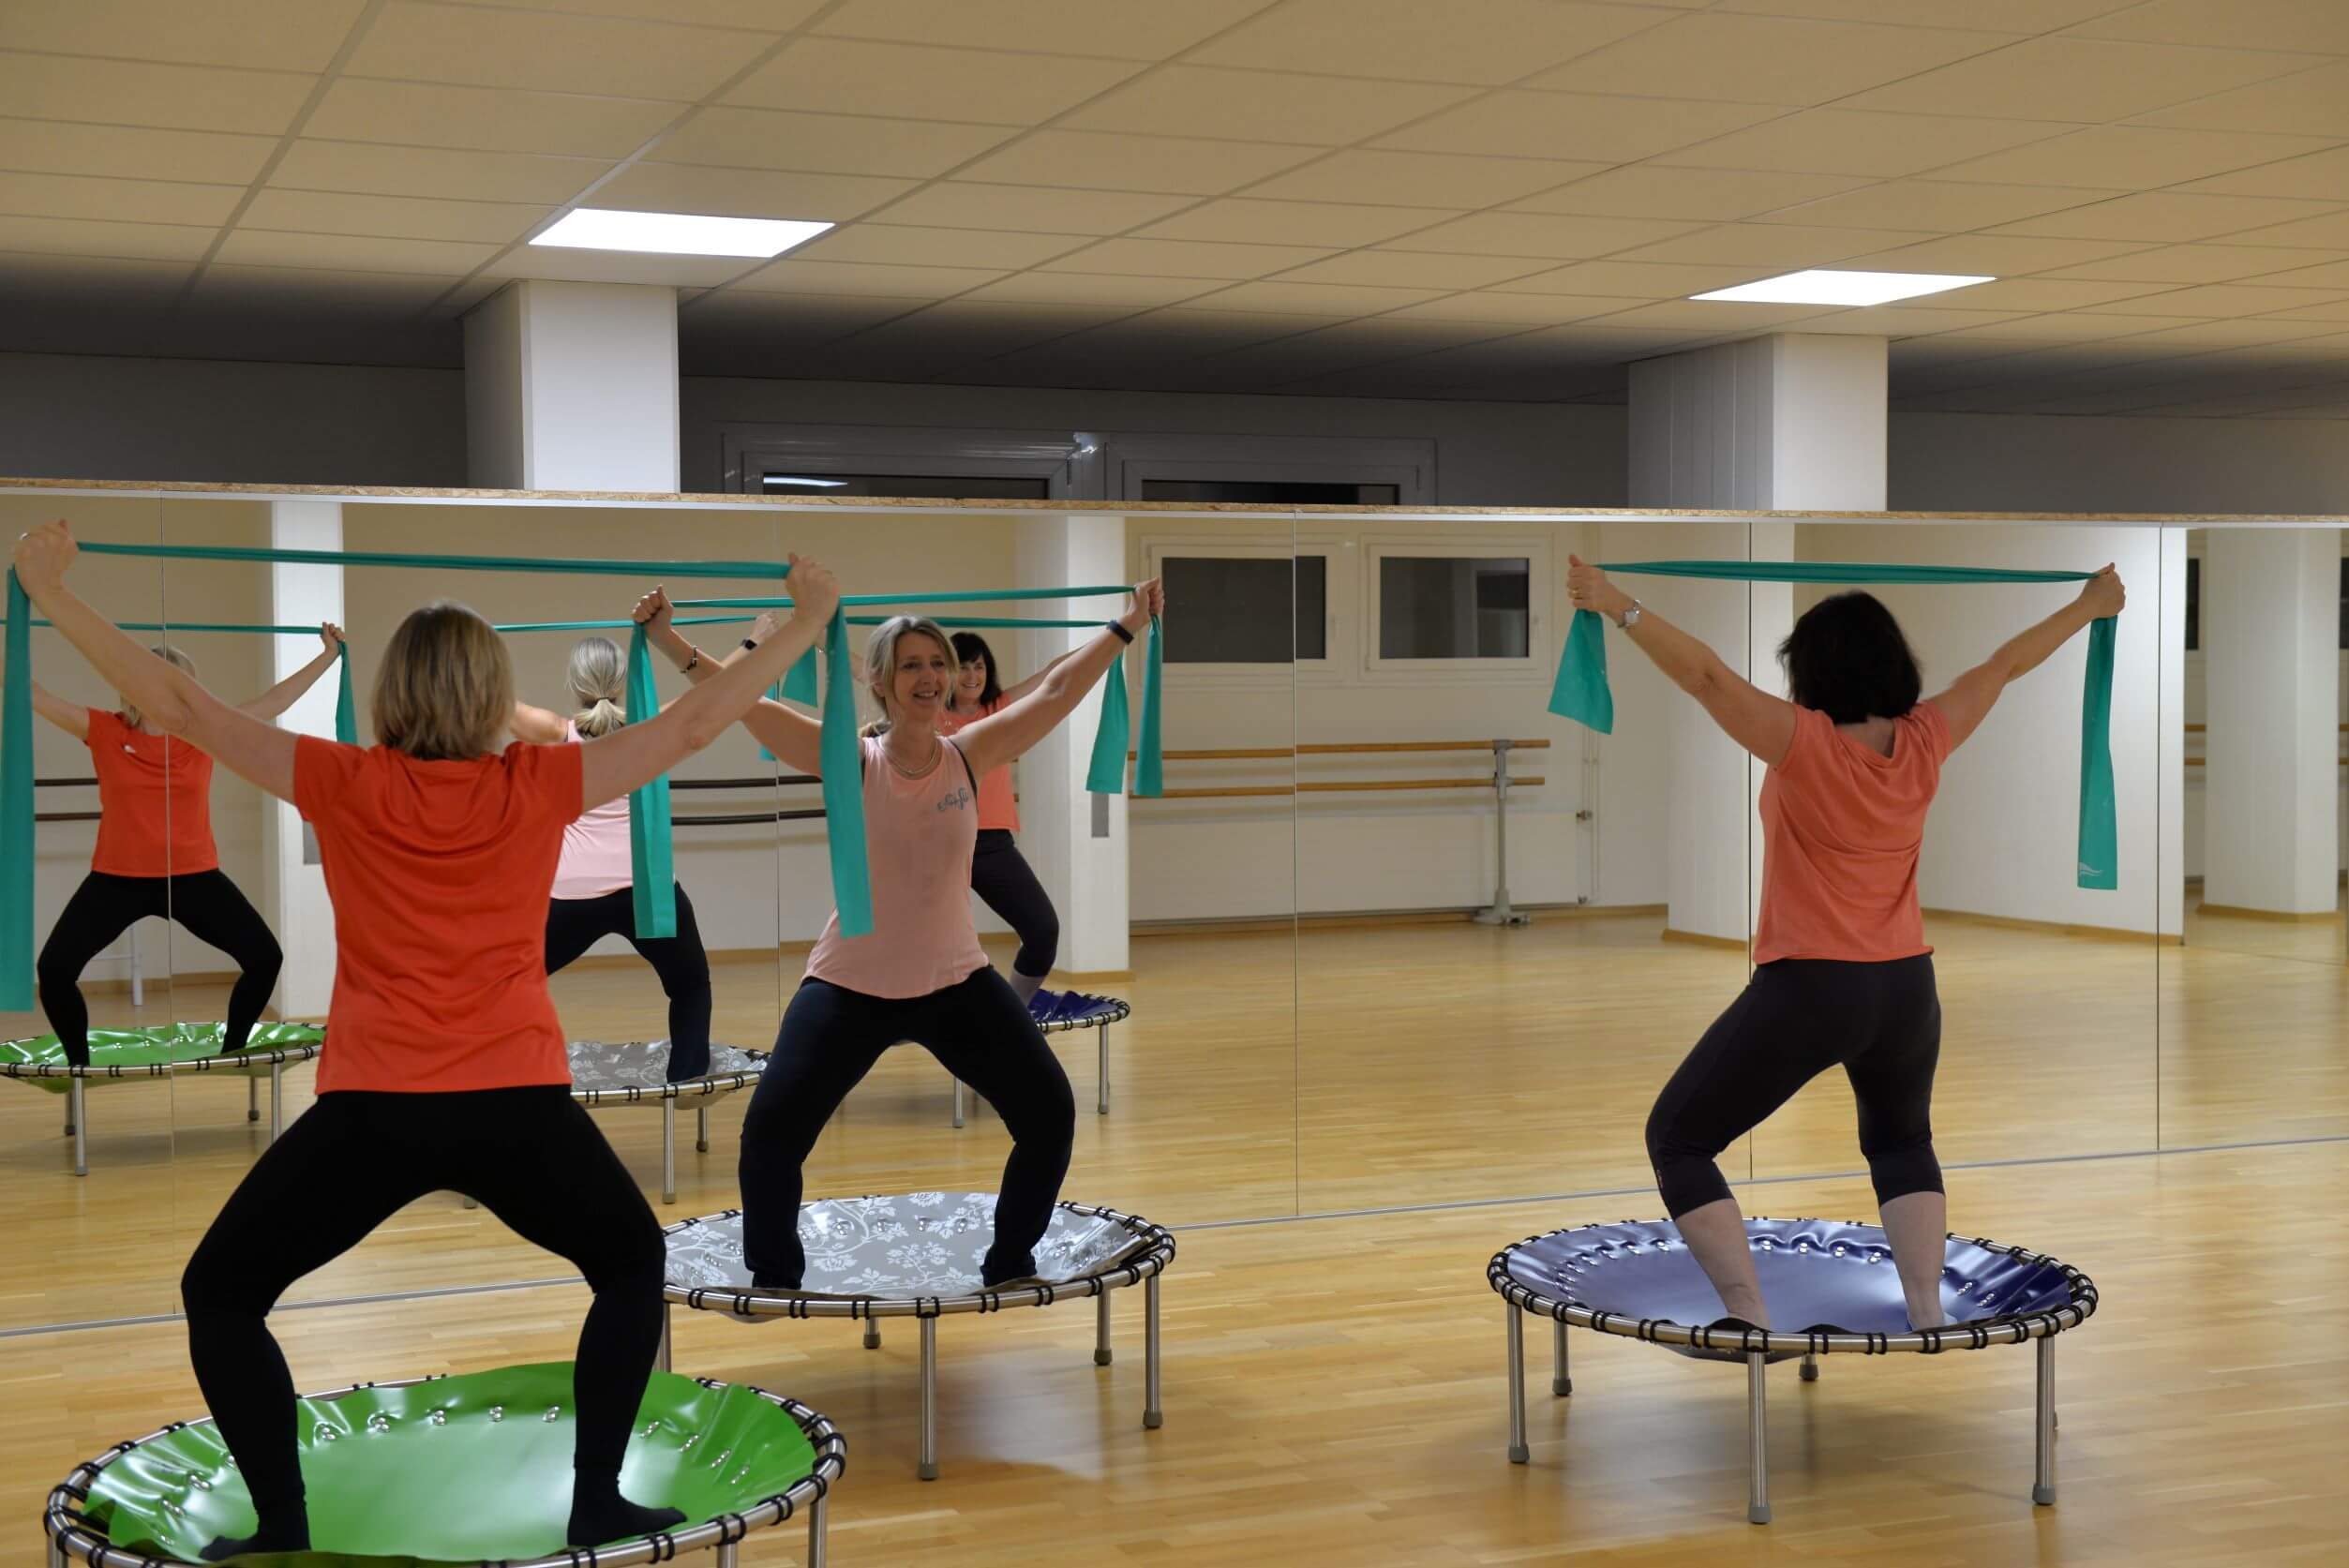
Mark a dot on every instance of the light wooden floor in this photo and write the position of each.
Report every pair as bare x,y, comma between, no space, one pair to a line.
1333,1396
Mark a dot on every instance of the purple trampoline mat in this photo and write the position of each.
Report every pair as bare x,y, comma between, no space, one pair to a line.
1814,1273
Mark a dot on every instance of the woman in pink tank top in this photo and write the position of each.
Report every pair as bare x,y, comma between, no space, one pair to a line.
1842,975
921,975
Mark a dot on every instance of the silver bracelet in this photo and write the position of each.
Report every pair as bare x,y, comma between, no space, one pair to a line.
1631,615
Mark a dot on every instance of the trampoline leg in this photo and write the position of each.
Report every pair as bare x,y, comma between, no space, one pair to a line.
1153,1417
729,1556
1757,1396
79,1118
817,1531
277,1099
668,1151
2043,1483
667,1354
1101,1329
1102,1109
1518,1453
958,1102
871,1334
252,1100
928,1468
701,1132
1810,1368
1560,1383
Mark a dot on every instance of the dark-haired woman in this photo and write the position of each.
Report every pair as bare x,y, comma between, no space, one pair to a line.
1000,873
1842,975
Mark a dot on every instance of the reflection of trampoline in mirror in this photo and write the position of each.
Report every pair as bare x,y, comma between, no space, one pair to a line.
1076,1010
469,1468
917,1255
163,1051
1636,1279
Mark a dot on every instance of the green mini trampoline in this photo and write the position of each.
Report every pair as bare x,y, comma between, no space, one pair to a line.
164,1051
435,1473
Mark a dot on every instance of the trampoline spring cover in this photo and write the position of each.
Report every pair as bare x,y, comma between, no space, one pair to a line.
156,1051
460,1470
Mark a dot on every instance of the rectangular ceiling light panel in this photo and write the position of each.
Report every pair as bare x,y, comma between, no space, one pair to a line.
678,233
1825,286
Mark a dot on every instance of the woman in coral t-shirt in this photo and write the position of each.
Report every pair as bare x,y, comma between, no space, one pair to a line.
155,855
444,1067
1842,975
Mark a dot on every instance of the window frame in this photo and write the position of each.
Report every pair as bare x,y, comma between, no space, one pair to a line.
1157,547
1537,667
748,453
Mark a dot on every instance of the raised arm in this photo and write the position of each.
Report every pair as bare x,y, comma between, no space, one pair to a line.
1013,693
71,717
168,697
1760,722
1971,695
285,692
1004,735
540,726
796,739
634,755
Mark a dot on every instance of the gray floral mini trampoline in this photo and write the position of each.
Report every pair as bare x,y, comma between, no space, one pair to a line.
917,1255
635,1072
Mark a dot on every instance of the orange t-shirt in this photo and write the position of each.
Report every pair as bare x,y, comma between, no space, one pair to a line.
1841,829
154,802
998,807
440,874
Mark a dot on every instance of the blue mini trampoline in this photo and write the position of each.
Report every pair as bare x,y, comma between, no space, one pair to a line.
1637,1279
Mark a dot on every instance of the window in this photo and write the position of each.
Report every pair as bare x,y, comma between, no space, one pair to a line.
1271,492
1454,607
1246,609
910,487
2193,603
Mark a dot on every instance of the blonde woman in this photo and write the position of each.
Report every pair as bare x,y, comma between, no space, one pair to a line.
921,976
444,1066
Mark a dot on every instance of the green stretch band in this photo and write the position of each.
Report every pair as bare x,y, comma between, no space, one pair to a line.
555,565
1581,693
16,806
976,596
653,894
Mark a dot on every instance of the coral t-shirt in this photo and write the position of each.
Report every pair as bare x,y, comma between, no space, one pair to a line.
1842,826
998,806
154,802
440,873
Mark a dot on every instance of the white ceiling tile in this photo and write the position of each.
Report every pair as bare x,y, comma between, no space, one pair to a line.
414,40
1317,299
1321,223
374,294
2330,230
396,216
116,201
788,276
2225,299
2337,310
1931,206
2310,26
909,245
366,169
1758,59
1900,322
1574,125
2072,327
826,143
2091,80
1074,287
1541,235
159,242
1485,42
126,152
256,247
128,93
847,76
2133,157
480,119
1696,195
2330,275
266,35
2317,177
1771,244
1187,259
1395,269
1182,165
2193,263
1420,179
2008,16
1723,317
2167,215
956,205
1265,106
564,264
777,320
2313,103
1998,255
1518,309
1649,281
680,187
101,281
1129,29
1849,142
1191,332
2031,295
751,15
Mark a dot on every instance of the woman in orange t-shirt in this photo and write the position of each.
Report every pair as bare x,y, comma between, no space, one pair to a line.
1842,975
444,1065
155,855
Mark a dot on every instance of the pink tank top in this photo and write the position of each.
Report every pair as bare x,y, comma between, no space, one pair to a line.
918,836
596,858
998,807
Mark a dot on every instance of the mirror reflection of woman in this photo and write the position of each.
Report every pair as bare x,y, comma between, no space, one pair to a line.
155,856
1842,975
921,975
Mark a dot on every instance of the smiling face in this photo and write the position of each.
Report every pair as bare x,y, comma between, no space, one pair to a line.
970,683
919,678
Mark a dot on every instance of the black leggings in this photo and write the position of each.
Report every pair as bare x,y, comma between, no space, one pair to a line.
830,1039
576,924
1001,877
104,906
531,1156
1797,1018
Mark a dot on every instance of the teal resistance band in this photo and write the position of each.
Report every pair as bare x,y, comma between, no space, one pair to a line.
346,707
16,807
1581,694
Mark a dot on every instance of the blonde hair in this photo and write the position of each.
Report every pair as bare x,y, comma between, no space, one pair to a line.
445,691
599,680
170,655
880,656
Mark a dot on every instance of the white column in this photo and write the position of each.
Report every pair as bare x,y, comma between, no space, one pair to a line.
1077,842
294,889
572,386
1790,423
2271,662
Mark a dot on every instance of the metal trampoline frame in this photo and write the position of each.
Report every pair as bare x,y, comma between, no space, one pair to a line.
234,1063
71,1538
1144,1268
1760,1347
1124,1012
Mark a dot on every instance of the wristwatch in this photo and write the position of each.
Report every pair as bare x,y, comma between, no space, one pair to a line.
1631,615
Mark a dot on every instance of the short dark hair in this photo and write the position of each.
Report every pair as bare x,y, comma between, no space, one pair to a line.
969,646
1847,658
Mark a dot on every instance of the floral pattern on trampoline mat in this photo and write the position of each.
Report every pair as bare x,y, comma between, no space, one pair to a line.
917,1243
605,1067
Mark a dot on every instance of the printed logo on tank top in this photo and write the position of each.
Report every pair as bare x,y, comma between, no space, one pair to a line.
956,799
